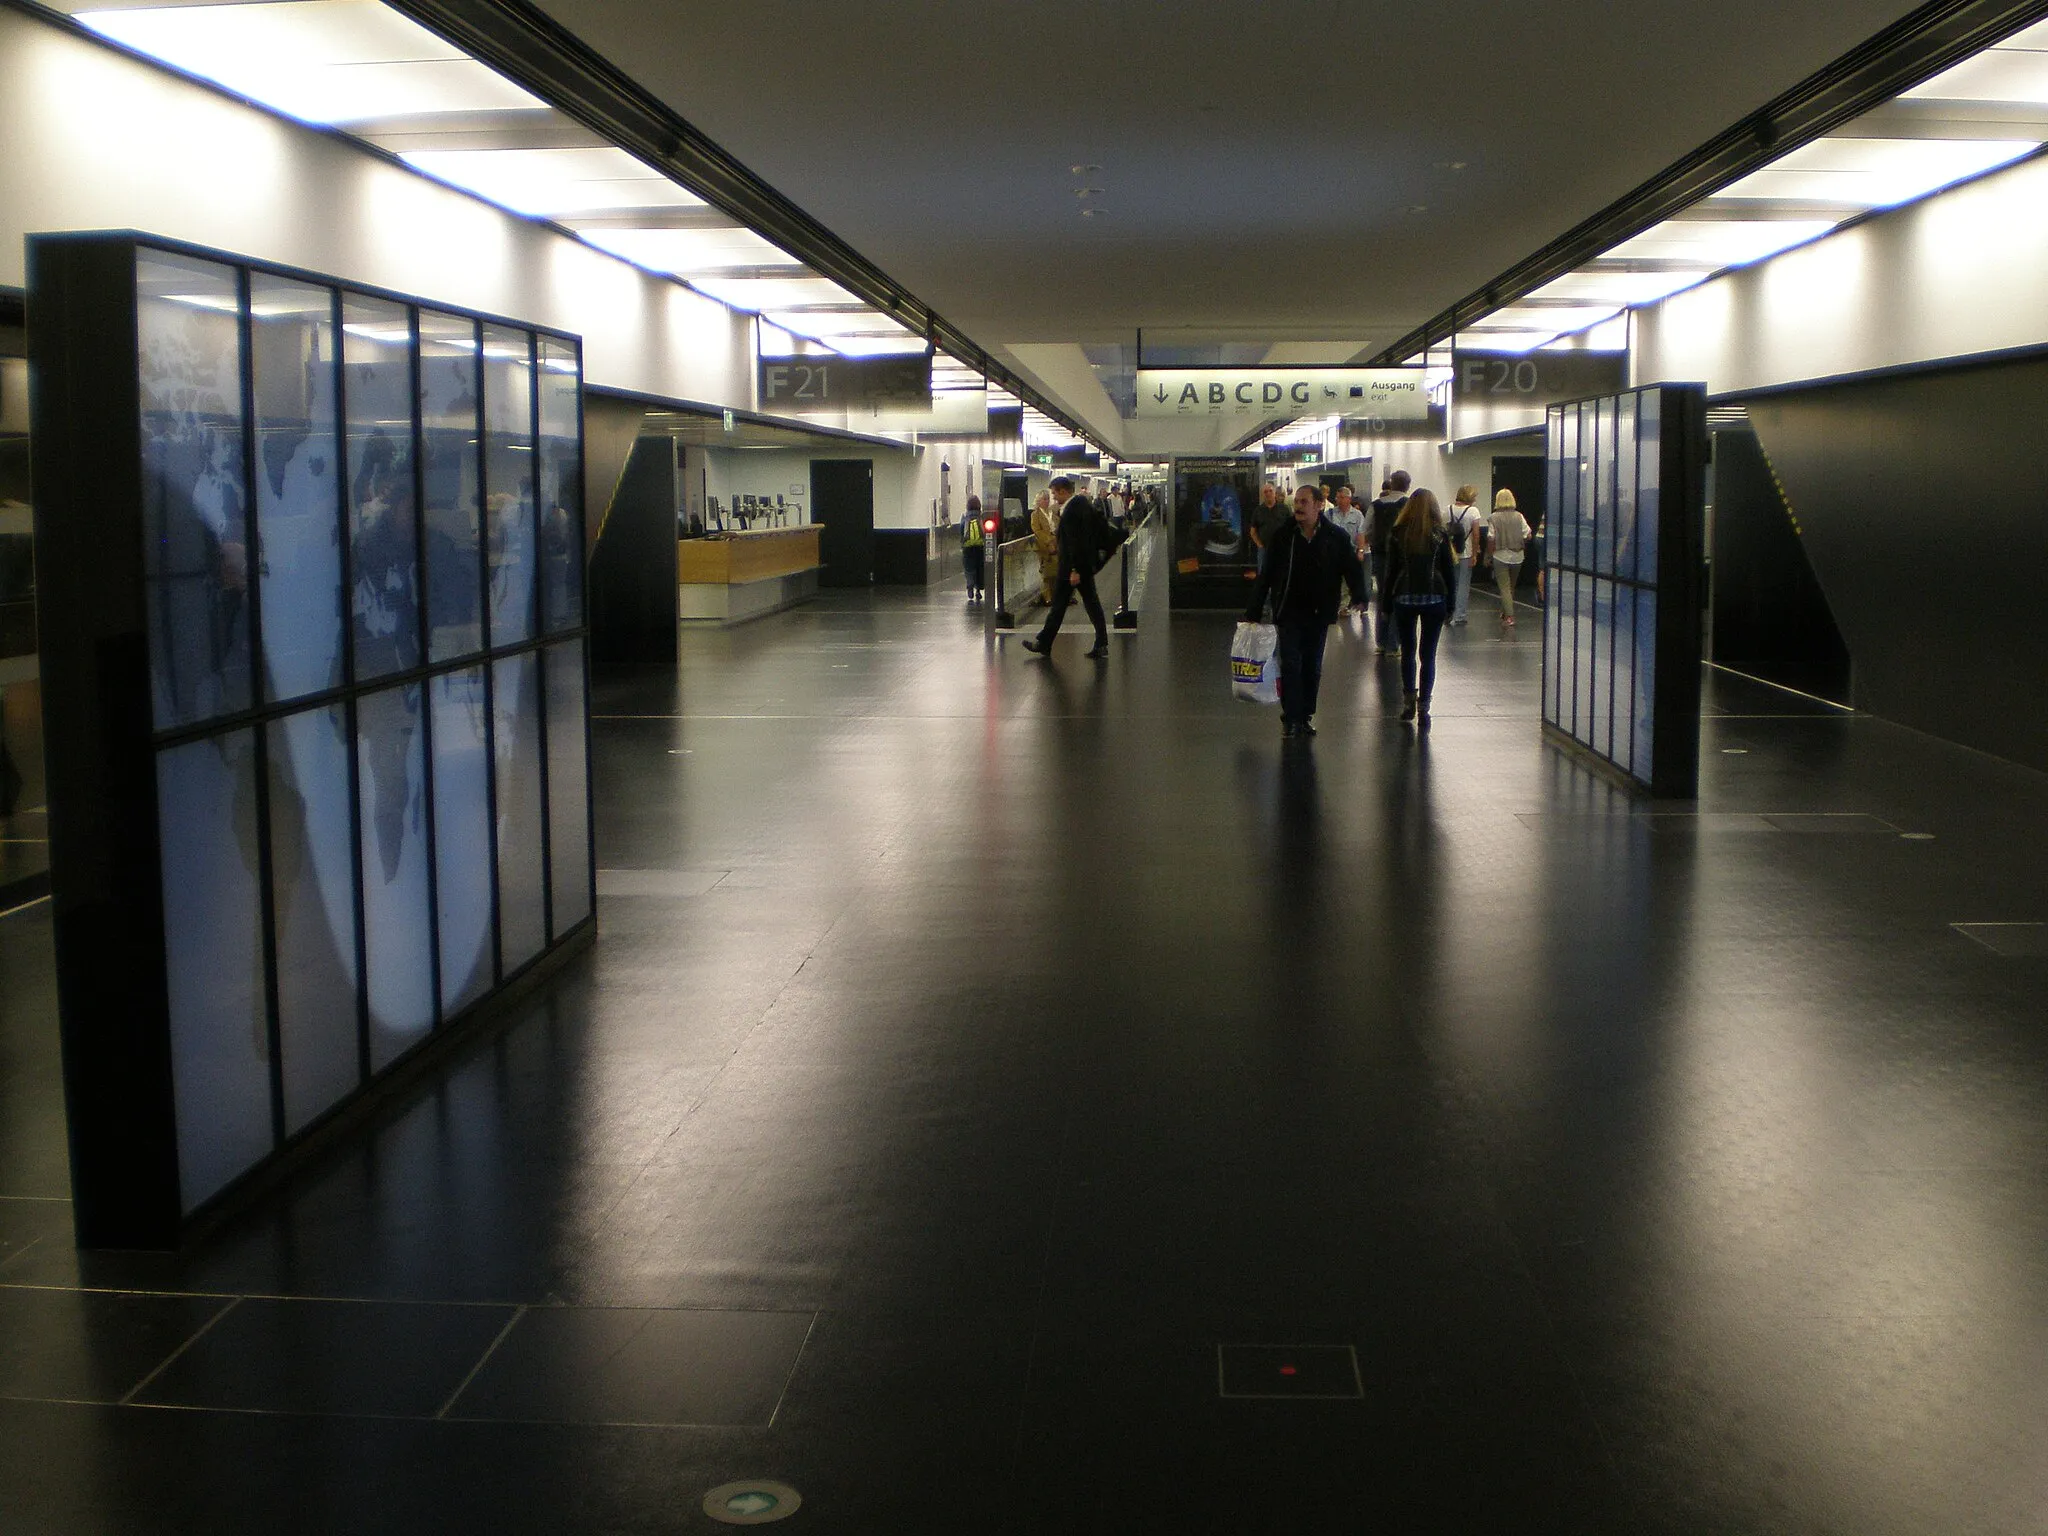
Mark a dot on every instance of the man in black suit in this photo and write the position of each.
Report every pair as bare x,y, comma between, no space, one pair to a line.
1080,545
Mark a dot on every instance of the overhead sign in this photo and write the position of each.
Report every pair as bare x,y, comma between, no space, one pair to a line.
1534,378
1294,458
1266,394
962,413
823,383
1078,456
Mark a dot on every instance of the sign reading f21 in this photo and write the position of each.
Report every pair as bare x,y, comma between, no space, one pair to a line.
825,383
1259,394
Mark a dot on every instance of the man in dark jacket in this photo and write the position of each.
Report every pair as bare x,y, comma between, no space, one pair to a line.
1308,564
1379,538
1080,547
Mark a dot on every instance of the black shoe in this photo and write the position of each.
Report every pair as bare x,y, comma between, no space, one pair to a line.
1408,707
1304,729
1035,647
1422,719
1287,728
1100,651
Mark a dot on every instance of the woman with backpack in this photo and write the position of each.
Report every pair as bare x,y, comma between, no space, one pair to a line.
1510,537
1421,575
973,559
1464,548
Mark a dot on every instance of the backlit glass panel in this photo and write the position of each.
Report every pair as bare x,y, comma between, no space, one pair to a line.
1599,635
213,940
195,524
346,497
313,885
376,349
298,484
522,868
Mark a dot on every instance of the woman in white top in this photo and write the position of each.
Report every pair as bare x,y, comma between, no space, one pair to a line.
1510,537
1464,530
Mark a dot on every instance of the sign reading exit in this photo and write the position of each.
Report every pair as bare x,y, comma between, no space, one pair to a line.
825,383
1266,394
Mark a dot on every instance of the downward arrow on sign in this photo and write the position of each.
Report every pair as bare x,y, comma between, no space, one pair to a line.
1161,396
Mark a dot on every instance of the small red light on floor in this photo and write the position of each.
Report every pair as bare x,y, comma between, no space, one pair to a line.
1286,1370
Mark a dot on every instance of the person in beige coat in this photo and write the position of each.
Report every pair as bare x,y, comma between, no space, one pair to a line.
1045,532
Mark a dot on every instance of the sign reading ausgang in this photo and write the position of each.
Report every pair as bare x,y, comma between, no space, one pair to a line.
1391,394
834,383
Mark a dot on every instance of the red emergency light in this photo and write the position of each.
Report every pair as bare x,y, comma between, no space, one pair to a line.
988,525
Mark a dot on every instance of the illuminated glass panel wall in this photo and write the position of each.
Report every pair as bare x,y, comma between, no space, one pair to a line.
1621,649
356,532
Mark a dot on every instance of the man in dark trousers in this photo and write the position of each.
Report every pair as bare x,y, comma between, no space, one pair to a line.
1379,538
1308,564
1080,547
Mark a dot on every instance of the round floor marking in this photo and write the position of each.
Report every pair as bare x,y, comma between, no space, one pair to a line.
752,1502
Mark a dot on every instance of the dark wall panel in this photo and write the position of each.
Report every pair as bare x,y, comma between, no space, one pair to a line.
900,557
1921,499
1771,618
843,499
633,567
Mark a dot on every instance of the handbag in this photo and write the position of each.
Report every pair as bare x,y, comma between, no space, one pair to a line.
1255,664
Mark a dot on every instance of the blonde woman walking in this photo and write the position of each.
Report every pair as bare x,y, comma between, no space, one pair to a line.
1510,532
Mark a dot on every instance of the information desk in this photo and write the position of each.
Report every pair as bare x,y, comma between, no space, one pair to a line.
729,577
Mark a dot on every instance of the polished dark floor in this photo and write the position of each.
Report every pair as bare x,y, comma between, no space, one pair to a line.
994,1076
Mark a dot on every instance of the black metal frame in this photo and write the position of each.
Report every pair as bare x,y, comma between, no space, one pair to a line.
1673,769
103,745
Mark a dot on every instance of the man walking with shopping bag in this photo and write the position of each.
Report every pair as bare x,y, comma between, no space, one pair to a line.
1307,567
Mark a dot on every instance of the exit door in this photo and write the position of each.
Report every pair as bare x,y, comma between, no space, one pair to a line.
1528,479
843,499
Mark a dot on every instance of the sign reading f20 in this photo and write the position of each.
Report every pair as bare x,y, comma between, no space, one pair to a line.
1264,394
826,383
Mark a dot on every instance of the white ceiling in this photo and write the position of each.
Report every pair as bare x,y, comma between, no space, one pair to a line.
1297,171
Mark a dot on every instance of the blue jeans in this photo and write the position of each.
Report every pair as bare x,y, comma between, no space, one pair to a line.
1301,669
1422,625
1461,597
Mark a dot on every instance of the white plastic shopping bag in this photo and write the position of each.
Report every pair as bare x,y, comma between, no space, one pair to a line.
1255,664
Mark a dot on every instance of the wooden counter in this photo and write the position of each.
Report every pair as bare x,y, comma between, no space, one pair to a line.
733,559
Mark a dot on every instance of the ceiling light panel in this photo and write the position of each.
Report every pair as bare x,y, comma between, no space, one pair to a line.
544,182
1607,288
2014,72
682,252
1480,338
763,293
831,324
905,345
321,61
1874,173
1717,243
1556,319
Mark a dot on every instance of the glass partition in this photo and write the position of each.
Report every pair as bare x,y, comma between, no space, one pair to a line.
389,817
195,564
561,486
508,481
1617,666
451,476
292,361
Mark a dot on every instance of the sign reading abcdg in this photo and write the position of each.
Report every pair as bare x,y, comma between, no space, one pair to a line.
1258,394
